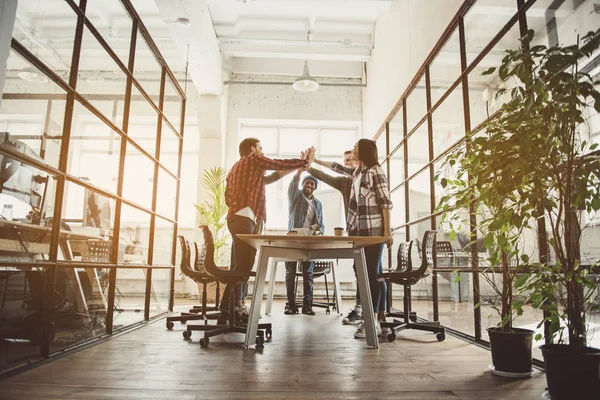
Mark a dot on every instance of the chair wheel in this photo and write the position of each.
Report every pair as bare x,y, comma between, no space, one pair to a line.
204,342
327,311
440,337
187,334
170,325
269,333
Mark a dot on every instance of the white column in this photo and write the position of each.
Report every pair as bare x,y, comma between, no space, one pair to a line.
8,13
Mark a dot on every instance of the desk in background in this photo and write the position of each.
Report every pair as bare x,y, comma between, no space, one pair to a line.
304,248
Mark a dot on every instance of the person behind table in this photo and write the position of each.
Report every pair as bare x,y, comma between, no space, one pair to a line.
305,211
369,215
343,184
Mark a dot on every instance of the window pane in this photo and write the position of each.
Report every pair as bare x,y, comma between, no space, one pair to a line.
418,149
381,146
416,105
169,148
163,242
37,21
483,21
92,215
143,122
445,68
94,150
167,188
483,88
98,86
111,20
134,235
268,137
397,168
160,291
294,140
419,196
335,141
398,212
35,123
172,104
146,69
138,177
448,122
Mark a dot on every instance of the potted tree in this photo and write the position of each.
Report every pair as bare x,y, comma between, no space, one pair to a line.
547,114
489,177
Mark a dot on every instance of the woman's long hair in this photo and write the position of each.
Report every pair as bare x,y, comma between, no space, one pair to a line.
367,152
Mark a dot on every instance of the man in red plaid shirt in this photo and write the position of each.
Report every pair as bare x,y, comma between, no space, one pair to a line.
245,197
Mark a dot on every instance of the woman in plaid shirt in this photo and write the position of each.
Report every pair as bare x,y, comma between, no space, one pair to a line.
368,215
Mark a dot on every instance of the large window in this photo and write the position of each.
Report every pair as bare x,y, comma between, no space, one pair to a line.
286,140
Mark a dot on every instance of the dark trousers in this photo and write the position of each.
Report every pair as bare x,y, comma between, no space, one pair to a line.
307,278
373,256
242,257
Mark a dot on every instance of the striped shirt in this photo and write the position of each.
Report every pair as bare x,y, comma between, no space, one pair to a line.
365,215
246,183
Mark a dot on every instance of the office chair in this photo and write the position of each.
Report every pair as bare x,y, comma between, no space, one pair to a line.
408,278
322,268
227,277
199,266
404,264
197,276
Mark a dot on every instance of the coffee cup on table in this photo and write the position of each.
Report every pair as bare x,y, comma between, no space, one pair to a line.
338,231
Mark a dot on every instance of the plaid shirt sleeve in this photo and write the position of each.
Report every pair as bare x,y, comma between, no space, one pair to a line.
380,187
277,164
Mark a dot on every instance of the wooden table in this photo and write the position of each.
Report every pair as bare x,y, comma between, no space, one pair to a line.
304,248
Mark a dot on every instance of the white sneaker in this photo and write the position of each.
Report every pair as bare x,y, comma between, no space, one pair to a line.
361,332
385,332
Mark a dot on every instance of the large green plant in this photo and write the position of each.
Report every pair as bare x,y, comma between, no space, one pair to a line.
542,167
213,212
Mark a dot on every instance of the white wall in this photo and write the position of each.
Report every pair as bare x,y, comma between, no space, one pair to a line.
8,10
271,102
404,36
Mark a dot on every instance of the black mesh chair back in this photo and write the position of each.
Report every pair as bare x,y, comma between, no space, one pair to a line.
445,254
404,258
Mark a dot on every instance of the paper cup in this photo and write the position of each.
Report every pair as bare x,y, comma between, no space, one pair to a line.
338,231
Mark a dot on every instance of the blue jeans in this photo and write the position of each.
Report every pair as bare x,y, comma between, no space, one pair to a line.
373,256
307,278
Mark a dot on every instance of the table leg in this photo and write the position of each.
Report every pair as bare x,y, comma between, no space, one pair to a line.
271,286
365,295
257,294
336,284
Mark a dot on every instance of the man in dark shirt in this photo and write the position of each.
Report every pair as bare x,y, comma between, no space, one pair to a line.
245,197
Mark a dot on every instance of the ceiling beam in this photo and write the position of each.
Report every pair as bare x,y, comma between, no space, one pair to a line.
293,43
297,55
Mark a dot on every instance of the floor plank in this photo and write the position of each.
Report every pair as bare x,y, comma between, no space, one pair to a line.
307,355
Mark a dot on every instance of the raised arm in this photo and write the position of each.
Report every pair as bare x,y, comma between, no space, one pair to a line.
336,182
293,191
279,165
277,175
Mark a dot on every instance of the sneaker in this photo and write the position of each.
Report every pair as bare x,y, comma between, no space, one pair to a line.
361,333
308,311
353,318
243,314
385,332
290,310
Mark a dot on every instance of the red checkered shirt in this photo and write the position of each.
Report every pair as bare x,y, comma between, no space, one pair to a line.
246,185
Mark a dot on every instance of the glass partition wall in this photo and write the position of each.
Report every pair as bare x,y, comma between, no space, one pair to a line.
448,97
86,244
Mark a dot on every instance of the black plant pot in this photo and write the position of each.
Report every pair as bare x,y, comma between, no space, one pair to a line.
511,351
572,373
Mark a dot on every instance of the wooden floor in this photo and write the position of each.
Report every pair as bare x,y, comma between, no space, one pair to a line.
308,357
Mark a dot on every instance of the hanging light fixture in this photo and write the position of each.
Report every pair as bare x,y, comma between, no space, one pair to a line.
305,83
